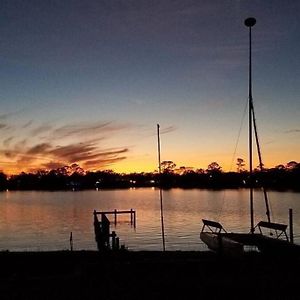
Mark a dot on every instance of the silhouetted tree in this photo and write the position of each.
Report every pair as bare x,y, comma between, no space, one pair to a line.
280,167
240,165
3,181
74,177
168,166
75,168
214,167
291,165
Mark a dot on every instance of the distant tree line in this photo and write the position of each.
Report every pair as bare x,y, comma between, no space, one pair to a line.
73,177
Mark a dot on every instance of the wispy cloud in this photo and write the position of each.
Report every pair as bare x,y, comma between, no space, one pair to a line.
7,141
91,164
8,115
88,130
27,124
41,129
2,126
5,116
80,129
292,131
39,149
162,130
47,146
51,165
168,129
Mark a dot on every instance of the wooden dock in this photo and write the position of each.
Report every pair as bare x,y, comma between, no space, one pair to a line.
105,239
116,212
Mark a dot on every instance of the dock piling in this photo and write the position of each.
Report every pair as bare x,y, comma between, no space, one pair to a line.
102,229
291,226
113,240
71,241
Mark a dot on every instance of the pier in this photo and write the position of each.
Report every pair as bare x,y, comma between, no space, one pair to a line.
105,239
116,212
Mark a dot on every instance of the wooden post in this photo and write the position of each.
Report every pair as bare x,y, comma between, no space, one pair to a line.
71,241
117,243
105,229
115,211
131,216
134,220
291,225
113,240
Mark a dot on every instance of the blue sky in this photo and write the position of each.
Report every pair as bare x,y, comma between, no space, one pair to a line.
87,82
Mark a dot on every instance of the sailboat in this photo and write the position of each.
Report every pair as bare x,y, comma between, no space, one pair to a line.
213,233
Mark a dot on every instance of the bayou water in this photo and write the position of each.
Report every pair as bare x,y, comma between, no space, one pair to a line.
41,221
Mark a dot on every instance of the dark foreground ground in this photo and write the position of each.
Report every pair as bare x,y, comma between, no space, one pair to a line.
146,275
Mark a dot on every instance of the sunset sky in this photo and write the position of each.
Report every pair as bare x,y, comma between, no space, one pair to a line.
87,81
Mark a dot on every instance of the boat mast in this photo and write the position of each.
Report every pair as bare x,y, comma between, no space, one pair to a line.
250,22
160,191
261,165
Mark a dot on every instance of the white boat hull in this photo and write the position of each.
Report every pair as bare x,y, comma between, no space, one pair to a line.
220,243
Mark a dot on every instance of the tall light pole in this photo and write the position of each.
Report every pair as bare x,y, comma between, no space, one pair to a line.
250,22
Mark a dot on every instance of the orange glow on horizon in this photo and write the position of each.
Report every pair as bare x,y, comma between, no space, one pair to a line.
139,164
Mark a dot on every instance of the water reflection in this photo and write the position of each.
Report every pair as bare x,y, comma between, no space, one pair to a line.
44,220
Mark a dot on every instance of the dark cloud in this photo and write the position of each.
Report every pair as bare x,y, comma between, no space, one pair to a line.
102,163
15,151
52,165
74,152
88,154
83,152
40,149
10,154
113,152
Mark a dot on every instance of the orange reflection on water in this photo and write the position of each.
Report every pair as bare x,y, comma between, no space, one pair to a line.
44,220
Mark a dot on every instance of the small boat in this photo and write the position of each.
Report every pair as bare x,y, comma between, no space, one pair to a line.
213,233
217,239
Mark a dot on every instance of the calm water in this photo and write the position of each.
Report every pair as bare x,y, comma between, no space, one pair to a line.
43,220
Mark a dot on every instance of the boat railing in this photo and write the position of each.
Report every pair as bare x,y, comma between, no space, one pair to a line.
213,226
279,229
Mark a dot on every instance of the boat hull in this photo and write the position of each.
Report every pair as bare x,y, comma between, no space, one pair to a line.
222,244
233,243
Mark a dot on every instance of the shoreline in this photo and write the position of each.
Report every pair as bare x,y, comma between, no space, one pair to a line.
146,275
165,188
